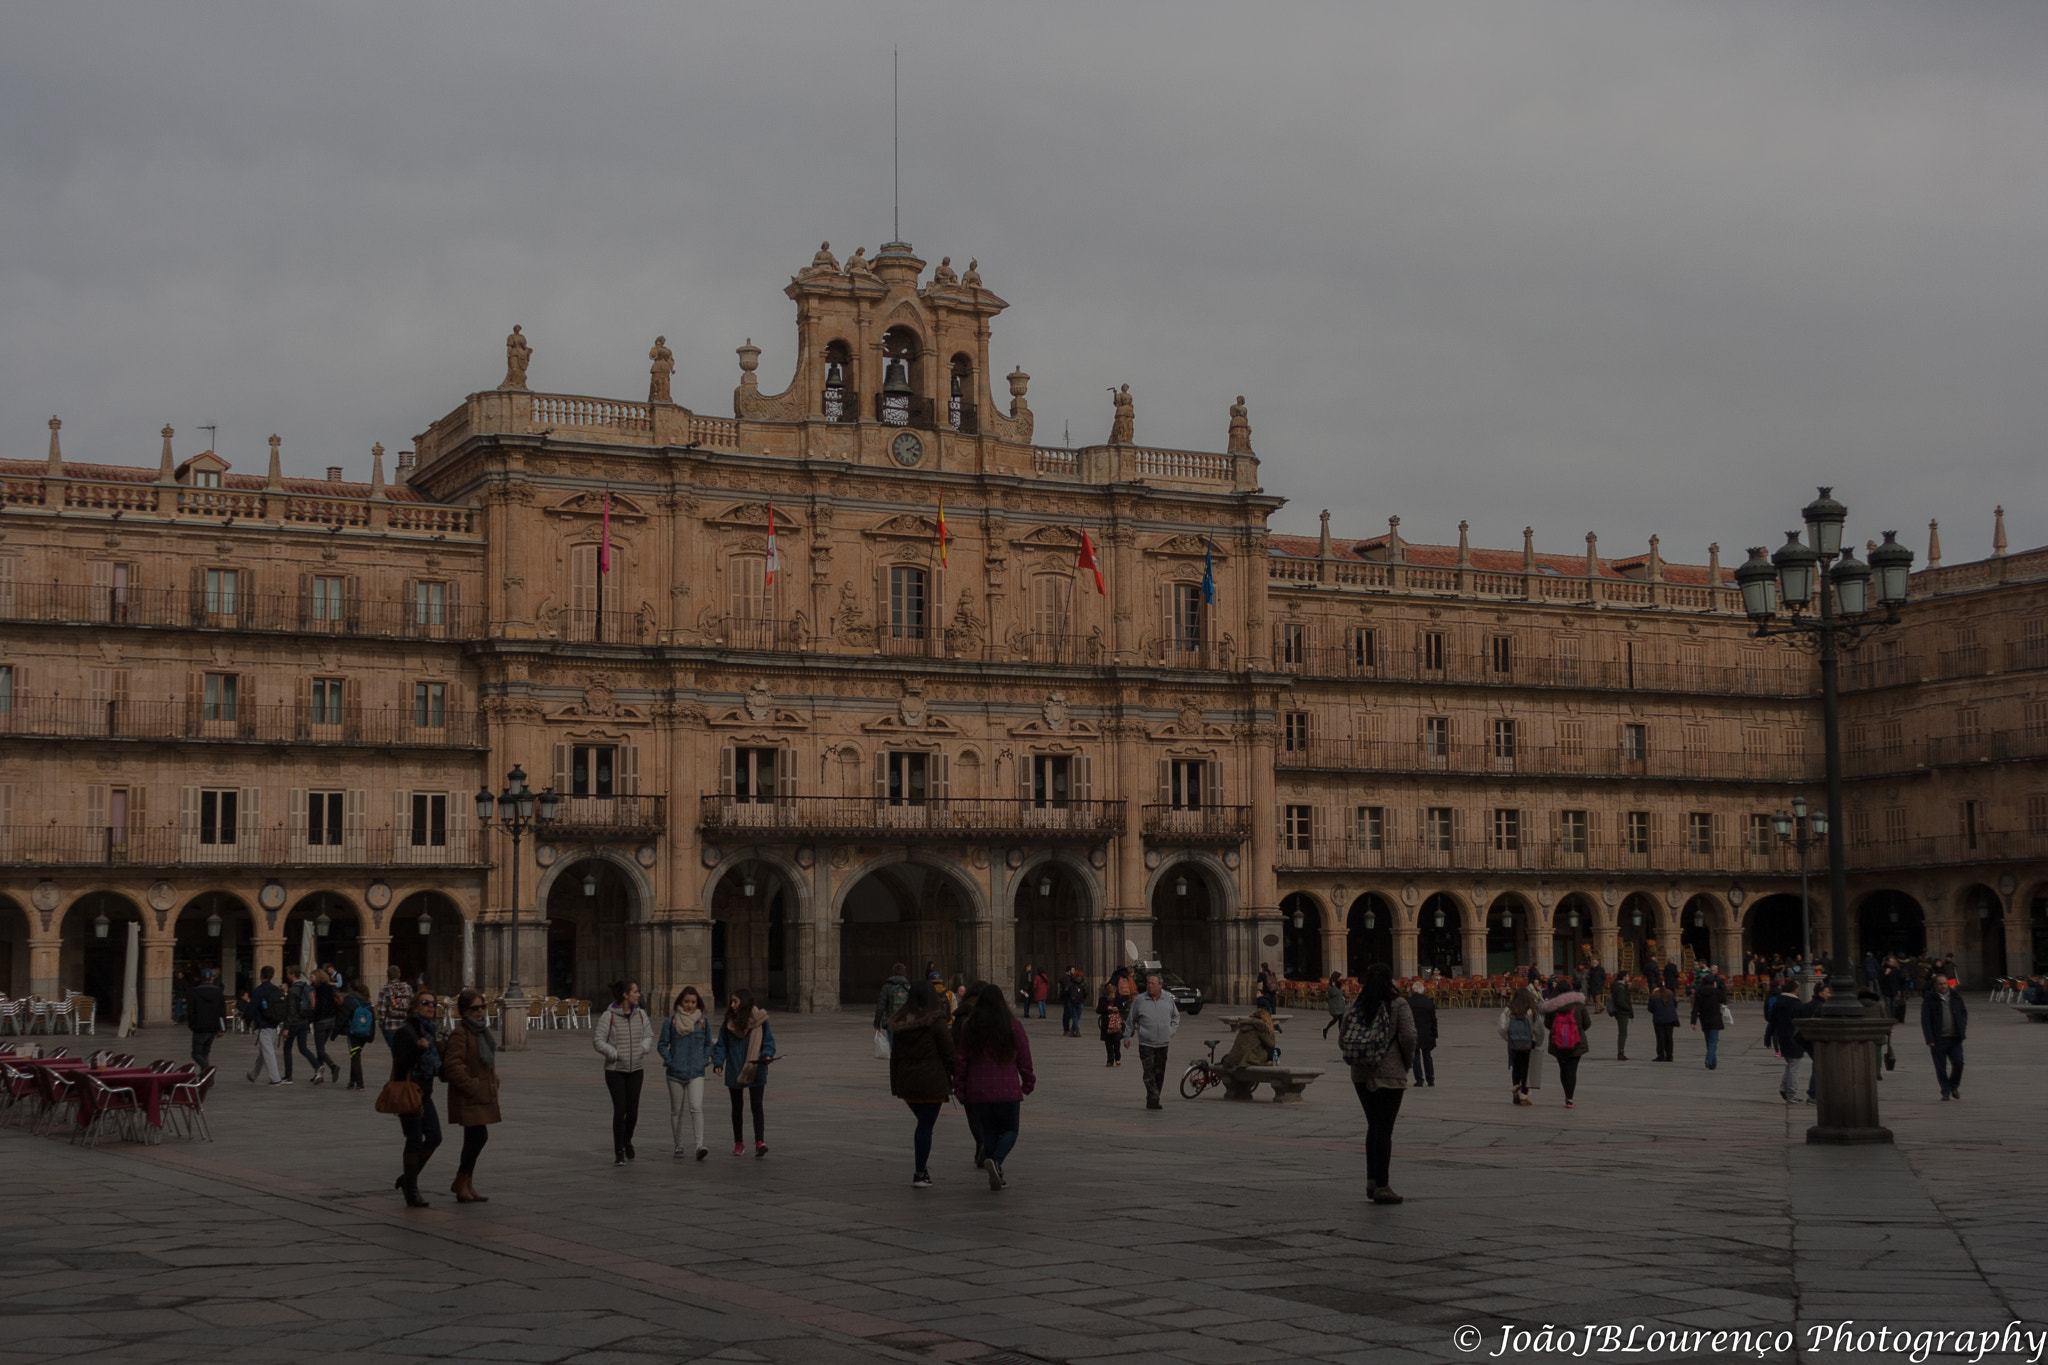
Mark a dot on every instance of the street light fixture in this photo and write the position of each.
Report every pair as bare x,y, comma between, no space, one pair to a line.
519,808
1818,571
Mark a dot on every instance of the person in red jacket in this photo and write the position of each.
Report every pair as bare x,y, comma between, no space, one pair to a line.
992,1075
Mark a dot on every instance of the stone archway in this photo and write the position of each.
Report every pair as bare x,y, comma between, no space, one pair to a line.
1980,936
915,913
1574,931
1510,934
751,908
213,929
1301,946
1774,927
427,933
591,904
1699,931
1188,912
336,927
1050,906
93,956
1368,934
16,970
1889,921
1440,936
1639,941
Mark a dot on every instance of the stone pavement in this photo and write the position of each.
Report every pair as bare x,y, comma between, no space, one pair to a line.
1211,1232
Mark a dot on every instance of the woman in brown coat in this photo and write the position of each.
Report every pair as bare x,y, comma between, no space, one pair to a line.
921,1069
469,1067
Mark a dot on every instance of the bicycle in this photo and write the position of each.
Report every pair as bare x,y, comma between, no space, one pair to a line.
1203,1073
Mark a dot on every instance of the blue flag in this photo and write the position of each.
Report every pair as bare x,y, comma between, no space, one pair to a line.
1209,571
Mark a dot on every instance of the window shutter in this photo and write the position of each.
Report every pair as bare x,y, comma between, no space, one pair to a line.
881,774
401,822
629,770
785,772
942,779
1458,827
1316,832
935,610
138,809
454,606
725,769
1719,827
408,607
1166,624
352,602
198,602
96,806
119,693
562,770
245,591
1656,831
1025,764
250,816
881,605
1084,778
458,827
1165,781
195,694
305,600
188,821
352,708
297,821
1593,830
1421,827
96,686
1212,784
357,804
1556,831
1452,732
245,704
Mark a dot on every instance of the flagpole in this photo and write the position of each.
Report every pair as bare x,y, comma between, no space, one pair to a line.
604,546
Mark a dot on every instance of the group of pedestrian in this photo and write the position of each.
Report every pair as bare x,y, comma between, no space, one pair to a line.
977,1053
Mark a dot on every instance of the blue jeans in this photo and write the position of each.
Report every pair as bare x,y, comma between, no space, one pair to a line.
927,1118
1713,1042
997,1121
1070,1017
1948,1064
1041,1009
295,1035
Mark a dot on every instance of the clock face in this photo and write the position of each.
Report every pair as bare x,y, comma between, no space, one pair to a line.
907,449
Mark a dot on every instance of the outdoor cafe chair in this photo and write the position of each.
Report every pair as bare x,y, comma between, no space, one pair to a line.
115,1104
185,1106
56,1094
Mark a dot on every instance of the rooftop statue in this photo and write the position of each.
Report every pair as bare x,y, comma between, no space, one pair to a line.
824,263
1123,427
664,365
972,279
517,354
1240,429
857,263
944,273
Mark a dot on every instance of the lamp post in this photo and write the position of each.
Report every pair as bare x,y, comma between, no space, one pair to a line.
519,809
1818,575
1800,830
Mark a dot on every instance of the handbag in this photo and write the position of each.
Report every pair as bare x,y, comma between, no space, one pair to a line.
399,1097
1727,1017
881,1045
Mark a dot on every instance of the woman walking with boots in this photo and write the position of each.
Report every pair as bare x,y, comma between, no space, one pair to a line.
415,1058
1383,1050
685,1049
744,1048
1520,1026
992,1075
1568,1019
921,1070
469,1064
624,1037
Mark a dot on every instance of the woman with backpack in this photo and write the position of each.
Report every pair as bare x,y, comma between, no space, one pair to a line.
1378,1039
992,1075
685,1049
469,1064
362,1027
921,1070
416,1057
624,1037
1663,1007
1519,1023
744,1048
1109,1013
1568,1020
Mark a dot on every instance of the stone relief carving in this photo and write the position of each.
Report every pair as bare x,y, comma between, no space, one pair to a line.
1055,711
760,702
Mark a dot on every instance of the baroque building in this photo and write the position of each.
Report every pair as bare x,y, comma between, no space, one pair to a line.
830,684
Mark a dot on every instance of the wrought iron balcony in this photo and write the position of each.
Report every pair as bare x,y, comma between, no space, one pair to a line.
946,818
196,846
1484,855
352,615
1198,825
244,722
1787,678
1418,756
607,817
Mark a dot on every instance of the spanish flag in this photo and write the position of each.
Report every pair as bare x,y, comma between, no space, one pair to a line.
1087,561
774,564
942,528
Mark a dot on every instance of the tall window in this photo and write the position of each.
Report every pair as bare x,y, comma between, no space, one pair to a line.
220,591
1756,747
906,603
1436,833
1859,826
1891,736
1571,738
1699,832
1294,644
1050,599
1503,738
1973,823
1371,832
327,598
217,816
750,590
1295,734
1895,825
2037,719
1436,736
1364,648
1762,839
219,698
1187,618
430,705
324,818
1635,742
1638,831
1501,653
1051,778
429,820
1507,830
326,701
907,779
591,767
1432,650
1185,785
1572,834
430,604
1969,724
6,689
2037,813
1565,649
1298,836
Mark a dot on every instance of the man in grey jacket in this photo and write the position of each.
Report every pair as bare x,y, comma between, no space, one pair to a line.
1152,1019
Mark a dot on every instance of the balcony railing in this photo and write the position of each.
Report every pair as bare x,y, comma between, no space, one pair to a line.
245,722
1415,756
583,625
1197,825
608,817
1049,648
1990,746
1203,654
1484,856
1895,670
190,609
774,636
1775,679
866,817
170,846
1949,850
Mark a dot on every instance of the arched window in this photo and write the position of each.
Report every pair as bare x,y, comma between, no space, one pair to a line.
899,403
841,404
960,412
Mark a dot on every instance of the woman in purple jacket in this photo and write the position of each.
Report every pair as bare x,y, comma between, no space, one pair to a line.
992,1075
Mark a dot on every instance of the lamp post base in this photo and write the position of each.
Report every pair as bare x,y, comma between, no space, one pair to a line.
512,1022
1846,1056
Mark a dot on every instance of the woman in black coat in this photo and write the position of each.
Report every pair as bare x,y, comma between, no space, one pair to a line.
921,1069
416,1057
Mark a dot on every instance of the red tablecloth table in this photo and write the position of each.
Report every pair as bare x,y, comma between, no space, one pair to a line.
149,1087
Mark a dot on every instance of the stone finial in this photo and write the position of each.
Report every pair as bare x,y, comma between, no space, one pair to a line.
750,360
517,355
167,468
1933,544
1655,571
1323,546
1395,553
1592,555
1997,514
1528,549
1714,565
1123,426
377,470
1240,430
275,483
1464,544
1019,382
56,454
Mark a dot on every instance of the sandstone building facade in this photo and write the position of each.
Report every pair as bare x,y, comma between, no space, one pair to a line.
242,712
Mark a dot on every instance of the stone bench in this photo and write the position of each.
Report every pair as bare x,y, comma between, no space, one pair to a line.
1287,1081
2036,1013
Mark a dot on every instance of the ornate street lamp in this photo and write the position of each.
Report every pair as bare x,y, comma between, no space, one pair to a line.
516,809
1802,831
1817,571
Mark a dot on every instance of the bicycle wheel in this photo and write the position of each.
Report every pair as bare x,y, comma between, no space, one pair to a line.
1195,1081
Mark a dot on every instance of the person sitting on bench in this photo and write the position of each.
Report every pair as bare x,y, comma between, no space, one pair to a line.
1253,1045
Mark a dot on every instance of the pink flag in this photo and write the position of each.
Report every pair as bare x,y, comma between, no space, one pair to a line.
604,544
774,555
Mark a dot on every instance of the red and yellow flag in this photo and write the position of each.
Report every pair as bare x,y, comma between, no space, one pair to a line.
1087,561
942,528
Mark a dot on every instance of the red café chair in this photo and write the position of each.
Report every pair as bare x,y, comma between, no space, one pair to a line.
115,1104
56,1093
185,1106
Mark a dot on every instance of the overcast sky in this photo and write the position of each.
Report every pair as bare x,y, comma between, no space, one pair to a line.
1622,267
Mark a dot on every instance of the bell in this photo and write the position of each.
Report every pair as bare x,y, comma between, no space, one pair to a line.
957,391
897,378
835,375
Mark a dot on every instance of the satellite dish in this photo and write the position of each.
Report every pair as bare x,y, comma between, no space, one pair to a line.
1130,950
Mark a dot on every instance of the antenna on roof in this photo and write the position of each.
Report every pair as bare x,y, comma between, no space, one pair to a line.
895,145
212,437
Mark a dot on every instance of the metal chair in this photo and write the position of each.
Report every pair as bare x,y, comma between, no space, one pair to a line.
185,1106
56,1093
116,1104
